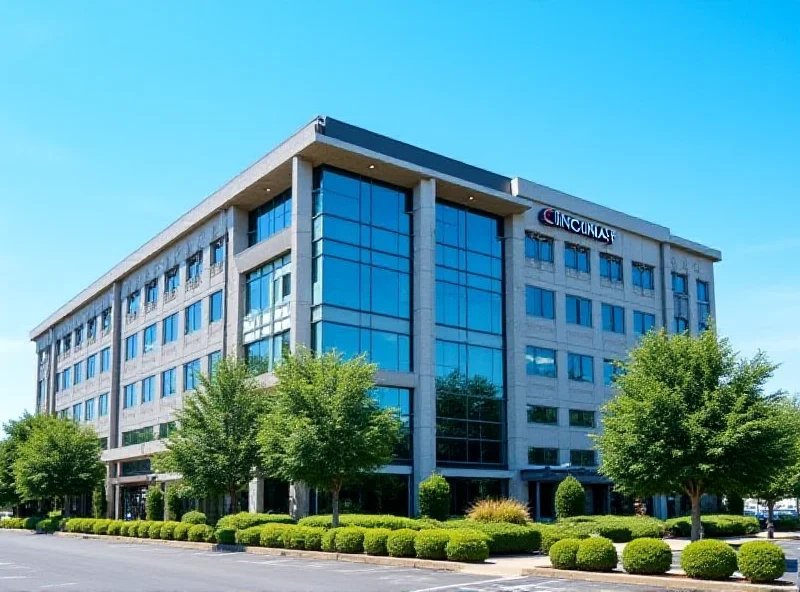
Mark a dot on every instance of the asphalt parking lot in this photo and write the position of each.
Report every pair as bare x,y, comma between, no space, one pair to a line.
41,562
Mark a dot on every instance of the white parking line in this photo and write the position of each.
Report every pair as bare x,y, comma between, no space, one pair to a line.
13,577
59,585
464,584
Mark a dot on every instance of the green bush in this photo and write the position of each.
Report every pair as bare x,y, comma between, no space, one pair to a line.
143,531
708,559
431,544
31,522
154,503
194,517
564,554
115,527
123,530
244,520
350,540
313,537
13,523
201,533
154,532
302,537
168,530
465,545
365,521
715,525
101,526
552,533
329,540
570,498
505,539
272,535
174,502
375,541
225,536
647,556
249,536
596,554
760,561
181,531
48,525
434,497
400,543
619,529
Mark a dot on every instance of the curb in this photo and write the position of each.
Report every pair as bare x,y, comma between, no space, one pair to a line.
670,582
318,555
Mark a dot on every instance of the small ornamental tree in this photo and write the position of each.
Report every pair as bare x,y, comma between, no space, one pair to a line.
570,498
59,458
214,446
690,416
434,497
17,431
99,503
324,427
154,504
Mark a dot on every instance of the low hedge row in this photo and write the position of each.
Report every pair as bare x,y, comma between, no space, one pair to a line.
715,525
368,521
179,531
244,520
620,529
502,538
21,523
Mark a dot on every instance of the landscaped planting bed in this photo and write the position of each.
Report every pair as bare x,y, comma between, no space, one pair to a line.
715,525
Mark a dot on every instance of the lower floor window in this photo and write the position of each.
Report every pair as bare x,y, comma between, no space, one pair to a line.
268,351
582,458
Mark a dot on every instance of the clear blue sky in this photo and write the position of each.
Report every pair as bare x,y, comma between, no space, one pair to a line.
115,119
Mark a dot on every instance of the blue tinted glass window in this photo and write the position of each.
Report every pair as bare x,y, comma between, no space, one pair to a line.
580,368
133,303
66,378
151,292
169,385
102,405
613,318
268,286
399,399
148,389
539,302
576,257
171,280
89,416
582,458
643,322
149,338
679,283
105,360
78,372
272,217
540,361
579,311
389,350
215,307
268,350
129,399
130,347
194,267
643,276
610,268
193,318
191,372
170,328
539,247
217,251
213,360
77,412
91,366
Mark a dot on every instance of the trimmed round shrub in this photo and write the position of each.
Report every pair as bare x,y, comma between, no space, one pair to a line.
596,554
760,561
375,541
708,559
73,524
154,503
431,544
647,556
400,543
434,497
168,530
154,532
143,529
467,546
365,521
350,540
272,535
329,540
244,520
201,533
225,536
194,517
313,537
30,522
564,554
294,537
552,533
570,498
249,536
123,530
181,531
174,502
48,525
504,510
115,527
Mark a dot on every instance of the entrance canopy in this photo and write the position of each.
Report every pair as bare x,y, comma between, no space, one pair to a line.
548,475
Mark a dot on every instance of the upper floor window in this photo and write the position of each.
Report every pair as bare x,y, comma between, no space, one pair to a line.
217,251
680,299
77,412
79,336
193,318
215,307
191,373
102,405
91,328
580,418
581,368
542,414
213,360
613,318
703,305
270,218
539,302
91,366
105,319
130,396
89,416
543,456
78,369
151,292
611,268
269,285
643,276
133,303
105,360
611,369
66,378
540,361
170,328
149,338
171,280
130,347
148,389
169,384
194,267
582,458
576,257
67,342
679,285
643,322
539,247
579,311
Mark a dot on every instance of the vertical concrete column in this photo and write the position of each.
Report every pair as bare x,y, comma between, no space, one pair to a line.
424,333
110,498
115,409
237,225
255,496
117,504
665,289
300,314
51,374
516,396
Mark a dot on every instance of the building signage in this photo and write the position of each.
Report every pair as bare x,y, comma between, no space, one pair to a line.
552,217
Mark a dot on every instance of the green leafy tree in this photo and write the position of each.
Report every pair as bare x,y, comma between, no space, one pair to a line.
154,504
58,459
570,498
690,416
99,504
174,497
17,432
324,427
214,446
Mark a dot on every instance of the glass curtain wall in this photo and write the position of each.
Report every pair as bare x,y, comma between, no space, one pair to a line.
470,368
361,275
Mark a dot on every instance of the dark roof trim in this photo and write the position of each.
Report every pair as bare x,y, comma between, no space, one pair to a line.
351,134
548,475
